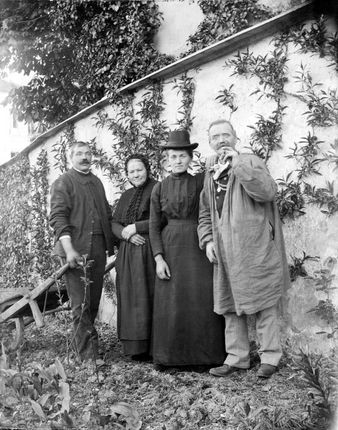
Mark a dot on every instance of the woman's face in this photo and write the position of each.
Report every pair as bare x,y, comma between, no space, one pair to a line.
179,160
136,172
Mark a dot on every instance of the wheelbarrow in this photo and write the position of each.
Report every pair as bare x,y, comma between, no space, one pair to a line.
25,306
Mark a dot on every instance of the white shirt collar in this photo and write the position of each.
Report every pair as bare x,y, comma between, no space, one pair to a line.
83,173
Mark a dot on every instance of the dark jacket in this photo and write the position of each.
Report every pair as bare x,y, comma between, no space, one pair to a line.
73,196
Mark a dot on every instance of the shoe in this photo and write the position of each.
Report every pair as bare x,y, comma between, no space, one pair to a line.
160,367
141,357
224,370
266,370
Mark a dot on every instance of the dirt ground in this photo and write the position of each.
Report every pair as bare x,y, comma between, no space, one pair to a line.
118,392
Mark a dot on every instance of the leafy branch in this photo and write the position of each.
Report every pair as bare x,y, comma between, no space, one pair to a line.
322,105
227,98
290,199
306,154
324,197
132,131
60,148
223,18
325,309
185,85
267,134
297,268
41,234
320,375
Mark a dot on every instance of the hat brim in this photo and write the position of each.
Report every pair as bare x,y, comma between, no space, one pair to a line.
178,147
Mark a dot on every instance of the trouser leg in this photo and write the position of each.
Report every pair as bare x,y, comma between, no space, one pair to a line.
268,333
237,343
96,272
85,300
79,297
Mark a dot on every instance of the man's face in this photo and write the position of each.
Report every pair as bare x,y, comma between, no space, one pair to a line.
81,158
222,138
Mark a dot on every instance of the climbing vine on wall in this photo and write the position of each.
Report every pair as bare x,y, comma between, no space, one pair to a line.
185,86
25,236
325,309
41,233
306,153
155,130
322,111
77,51
271,71
290,198
315,39
297,269
139,131
60,148
227,97
322,104
15,254
224,18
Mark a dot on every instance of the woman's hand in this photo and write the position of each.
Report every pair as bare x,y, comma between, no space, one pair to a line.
162,268
128,231
137,240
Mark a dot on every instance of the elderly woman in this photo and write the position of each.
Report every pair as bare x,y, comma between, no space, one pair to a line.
135,265
185,329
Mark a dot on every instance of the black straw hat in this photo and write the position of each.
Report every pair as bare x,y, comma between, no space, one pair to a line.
179,139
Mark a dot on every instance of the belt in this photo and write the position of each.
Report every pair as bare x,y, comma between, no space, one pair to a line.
182,221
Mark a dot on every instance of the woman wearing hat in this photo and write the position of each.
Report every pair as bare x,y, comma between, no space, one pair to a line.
135,264
185,329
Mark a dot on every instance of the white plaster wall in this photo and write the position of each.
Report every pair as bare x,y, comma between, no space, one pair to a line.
314,233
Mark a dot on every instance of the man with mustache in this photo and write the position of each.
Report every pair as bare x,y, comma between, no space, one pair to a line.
240,230
80,217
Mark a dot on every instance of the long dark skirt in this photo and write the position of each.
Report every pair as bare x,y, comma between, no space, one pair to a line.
186,331
135,290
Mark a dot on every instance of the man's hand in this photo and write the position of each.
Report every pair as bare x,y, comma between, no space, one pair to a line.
73,258
128,231
229,155
137,239
162,268
210,252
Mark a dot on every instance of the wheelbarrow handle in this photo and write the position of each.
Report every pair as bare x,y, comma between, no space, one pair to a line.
29,298
61,271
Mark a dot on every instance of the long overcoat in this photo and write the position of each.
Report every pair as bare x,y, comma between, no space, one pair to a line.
252,272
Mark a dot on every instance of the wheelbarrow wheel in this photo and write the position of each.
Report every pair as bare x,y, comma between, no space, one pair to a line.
14,334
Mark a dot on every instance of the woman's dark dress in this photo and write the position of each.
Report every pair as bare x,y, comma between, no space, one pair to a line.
135,276
186,331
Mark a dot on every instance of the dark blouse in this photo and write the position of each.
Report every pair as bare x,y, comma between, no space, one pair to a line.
176,197
142,218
